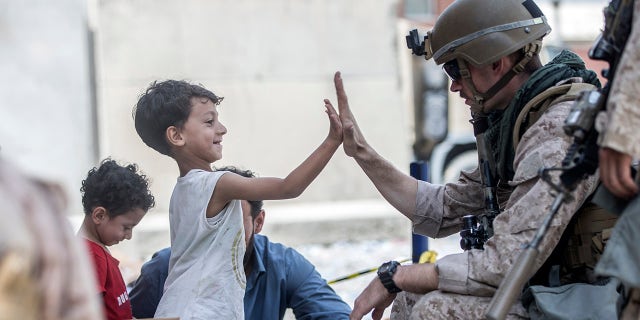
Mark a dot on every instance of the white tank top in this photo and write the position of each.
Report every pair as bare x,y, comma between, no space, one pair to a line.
206,277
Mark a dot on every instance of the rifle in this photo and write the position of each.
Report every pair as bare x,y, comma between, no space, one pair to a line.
581,159
475,233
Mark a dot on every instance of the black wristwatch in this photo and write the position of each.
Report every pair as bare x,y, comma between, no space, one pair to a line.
385,274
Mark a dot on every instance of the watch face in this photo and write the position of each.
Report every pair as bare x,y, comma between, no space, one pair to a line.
384,267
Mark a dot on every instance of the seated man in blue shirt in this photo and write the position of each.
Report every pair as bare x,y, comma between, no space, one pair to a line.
278,277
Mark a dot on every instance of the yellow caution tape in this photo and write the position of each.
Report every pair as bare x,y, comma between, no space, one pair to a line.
425,257
428,257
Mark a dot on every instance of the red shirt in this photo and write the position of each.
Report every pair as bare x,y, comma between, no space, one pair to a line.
110,283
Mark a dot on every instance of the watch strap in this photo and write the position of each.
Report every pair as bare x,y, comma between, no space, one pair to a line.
385,274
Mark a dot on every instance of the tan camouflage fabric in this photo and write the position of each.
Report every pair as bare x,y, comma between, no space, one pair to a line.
44,271
622,134
472,277
443,305
623,106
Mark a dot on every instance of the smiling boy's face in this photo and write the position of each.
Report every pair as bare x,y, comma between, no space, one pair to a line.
202,134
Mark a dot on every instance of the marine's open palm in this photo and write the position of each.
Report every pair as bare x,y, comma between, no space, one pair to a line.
353,140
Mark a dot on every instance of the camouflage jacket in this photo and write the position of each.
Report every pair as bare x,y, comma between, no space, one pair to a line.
623,106
439,210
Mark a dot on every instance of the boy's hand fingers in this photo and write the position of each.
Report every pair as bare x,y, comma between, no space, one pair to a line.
331,111
329,106
334,120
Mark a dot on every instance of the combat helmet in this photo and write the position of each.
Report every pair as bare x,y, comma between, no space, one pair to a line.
481,32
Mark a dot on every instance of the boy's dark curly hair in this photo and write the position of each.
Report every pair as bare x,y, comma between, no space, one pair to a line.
165,104
256,205
117,188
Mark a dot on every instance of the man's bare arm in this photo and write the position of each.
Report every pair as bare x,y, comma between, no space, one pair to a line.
398,188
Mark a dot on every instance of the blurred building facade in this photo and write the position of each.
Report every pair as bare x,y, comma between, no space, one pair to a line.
47,106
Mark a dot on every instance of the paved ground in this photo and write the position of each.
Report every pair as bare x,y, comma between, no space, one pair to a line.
345,257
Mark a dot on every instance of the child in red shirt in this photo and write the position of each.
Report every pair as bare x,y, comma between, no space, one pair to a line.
115,198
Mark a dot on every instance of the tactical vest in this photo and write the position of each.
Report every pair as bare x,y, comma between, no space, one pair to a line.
584,239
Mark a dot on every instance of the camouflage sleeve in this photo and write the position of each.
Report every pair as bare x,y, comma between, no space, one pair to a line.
623,109
479,272
439,208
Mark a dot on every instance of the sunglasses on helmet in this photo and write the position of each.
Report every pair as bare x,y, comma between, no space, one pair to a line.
452,69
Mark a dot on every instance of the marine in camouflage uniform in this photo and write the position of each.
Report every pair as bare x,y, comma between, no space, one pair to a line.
468,280
480,42
620,143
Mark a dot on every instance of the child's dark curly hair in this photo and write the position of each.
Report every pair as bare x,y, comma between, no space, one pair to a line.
116,188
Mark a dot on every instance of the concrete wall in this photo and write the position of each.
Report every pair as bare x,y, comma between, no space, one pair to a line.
273,61
46,113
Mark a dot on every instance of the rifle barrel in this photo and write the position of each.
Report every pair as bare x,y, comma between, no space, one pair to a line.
511,286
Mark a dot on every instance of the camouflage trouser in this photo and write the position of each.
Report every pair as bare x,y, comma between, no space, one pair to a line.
442,305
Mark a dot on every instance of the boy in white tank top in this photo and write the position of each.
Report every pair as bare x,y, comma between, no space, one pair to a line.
206,278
